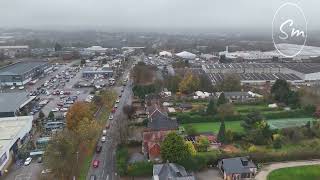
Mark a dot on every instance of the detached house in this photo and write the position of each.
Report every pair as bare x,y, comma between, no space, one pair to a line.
170,171
159,125
237,168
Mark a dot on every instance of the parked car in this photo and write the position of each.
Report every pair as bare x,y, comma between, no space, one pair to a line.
110,117
103,139
98,149
113,110
21,87
104,132
39,160
27,161
93,177
118,100
96,163
12,87
45,171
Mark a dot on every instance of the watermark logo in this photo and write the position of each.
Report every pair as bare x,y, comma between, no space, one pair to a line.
289,26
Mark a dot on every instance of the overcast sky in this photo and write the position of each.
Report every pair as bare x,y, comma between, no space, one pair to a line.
149,14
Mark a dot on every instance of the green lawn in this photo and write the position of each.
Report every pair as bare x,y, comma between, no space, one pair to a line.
85,168
296,173
236,125
214,126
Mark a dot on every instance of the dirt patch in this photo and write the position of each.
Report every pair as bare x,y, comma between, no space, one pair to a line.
230,149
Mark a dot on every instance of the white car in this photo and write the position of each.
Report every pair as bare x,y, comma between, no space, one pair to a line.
64,109
21,87
61,92
104,132
28,161
45,171
103,139
55,110
110,117
78,92
117,101
12,87
116,106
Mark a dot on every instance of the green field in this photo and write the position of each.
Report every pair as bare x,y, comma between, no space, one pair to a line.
236,125
296,173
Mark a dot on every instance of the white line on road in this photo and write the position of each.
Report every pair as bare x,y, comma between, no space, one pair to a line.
102,173
107,177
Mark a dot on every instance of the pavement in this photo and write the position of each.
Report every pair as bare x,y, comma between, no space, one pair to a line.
30,172
263,173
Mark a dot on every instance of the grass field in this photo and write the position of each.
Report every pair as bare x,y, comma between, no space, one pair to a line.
85,168
236,125
296,173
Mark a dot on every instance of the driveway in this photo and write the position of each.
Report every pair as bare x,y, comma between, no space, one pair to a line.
212,174
262,175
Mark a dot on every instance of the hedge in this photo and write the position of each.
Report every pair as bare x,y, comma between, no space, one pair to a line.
196,117
143,168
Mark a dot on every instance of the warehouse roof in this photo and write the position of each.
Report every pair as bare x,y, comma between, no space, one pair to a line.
20,67
10,102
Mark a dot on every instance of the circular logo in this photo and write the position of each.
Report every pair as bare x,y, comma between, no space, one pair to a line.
289,30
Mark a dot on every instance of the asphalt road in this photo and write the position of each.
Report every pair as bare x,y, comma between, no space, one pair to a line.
107,166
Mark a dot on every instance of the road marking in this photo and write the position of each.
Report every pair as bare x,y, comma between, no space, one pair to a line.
107,177
102,173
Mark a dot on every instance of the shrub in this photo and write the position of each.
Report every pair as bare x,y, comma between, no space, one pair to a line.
122,158
143,168
194,163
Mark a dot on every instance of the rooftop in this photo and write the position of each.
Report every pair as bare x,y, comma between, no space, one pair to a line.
10,102
237,165
10,127
20,67
160,121
171,171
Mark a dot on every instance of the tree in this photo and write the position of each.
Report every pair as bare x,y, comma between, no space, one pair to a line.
174,148
172,83
230,82
77,112
225,111
229,136
129,110
41,115
222,133
51,115
203,144
222,99
280,91
191,148
190,130
252,120
211,108
189,83
57,47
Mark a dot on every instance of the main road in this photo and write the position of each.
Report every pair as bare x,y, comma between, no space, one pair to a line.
107,166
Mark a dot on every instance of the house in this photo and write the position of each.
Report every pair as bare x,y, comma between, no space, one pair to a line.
160,121
238,96
151,143
171,171
237,168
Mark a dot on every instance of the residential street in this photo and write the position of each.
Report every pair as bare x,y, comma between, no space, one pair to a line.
107,168
263,174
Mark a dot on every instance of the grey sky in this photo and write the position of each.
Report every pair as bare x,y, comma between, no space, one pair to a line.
150,14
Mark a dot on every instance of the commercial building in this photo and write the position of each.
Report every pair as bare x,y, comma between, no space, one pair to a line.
12,103
21,73
15,51
259,73
13,133
91,72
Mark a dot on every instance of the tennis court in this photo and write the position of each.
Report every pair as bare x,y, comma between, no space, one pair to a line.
290,122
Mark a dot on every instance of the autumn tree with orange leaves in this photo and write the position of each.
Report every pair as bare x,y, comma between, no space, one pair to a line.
77,113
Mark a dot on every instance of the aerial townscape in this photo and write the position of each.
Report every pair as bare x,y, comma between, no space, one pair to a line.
159,90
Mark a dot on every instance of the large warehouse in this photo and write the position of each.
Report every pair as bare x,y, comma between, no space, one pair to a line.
13,132
11,103
256,73
22,72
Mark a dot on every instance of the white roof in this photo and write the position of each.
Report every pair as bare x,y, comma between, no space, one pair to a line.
165,53
96,48
186,55
11,127
14,47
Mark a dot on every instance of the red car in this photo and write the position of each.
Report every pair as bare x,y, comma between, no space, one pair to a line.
107,126
95,163
67,93
113,110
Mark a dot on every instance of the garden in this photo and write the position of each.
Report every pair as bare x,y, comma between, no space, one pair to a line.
296,173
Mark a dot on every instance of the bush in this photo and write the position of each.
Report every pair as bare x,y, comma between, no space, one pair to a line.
143,168
122,158
194,163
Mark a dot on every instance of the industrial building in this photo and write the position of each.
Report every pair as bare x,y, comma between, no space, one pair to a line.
21,73
259,73
91,72
13,133
13,103
15,51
